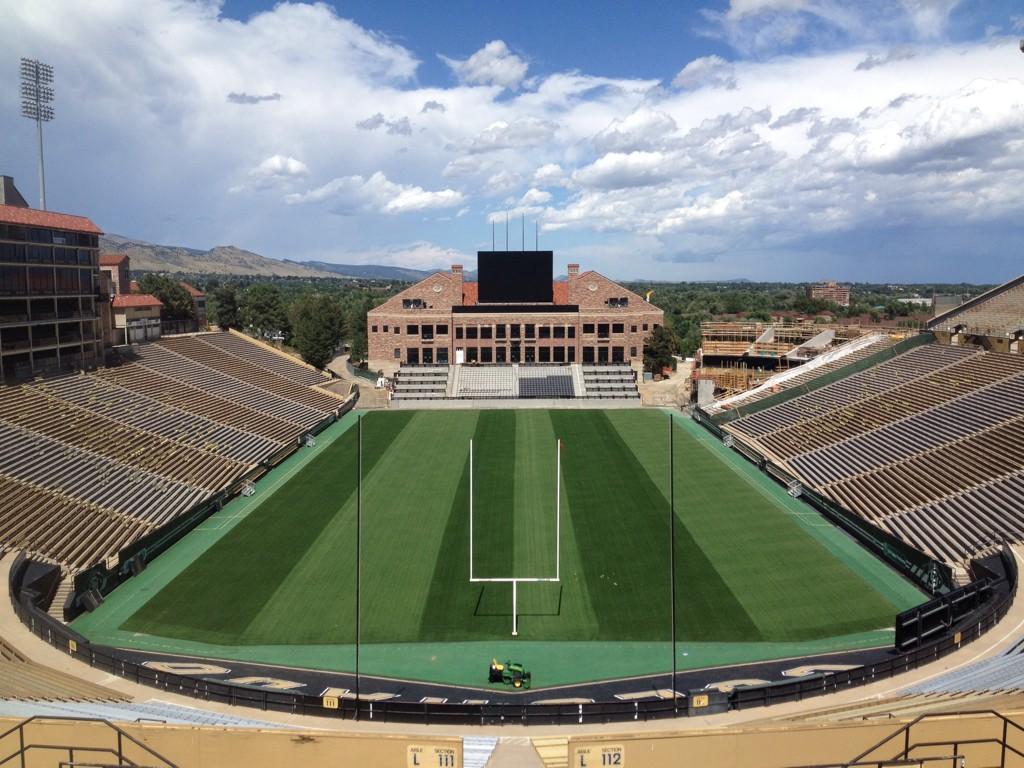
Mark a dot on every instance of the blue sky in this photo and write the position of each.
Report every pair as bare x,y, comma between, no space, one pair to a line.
765,139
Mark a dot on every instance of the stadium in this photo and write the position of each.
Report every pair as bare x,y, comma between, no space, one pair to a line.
514,538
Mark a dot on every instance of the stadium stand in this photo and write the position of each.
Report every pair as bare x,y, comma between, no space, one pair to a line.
998,313
609,382
22,680
92,461
422,382
927,445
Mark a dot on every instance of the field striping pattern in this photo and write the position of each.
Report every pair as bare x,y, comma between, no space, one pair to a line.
751,565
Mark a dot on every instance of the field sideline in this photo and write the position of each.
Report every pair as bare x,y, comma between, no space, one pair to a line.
759,574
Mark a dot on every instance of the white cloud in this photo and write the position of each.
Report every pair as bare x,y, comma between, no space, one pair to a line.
899,53
494,64
280,166
523,132
397,127
354,194
533,197
644,129
706,72
616,170
549,175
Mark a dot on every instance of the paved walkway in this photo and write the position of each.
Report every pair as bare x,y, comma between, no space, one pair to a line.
999,639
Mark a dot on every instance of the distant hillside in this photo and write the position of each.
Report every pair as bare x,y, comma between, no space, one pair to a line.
223,260
368,271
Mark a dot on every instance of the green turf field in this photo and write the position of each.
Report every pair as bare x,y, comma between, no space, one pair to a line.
272,577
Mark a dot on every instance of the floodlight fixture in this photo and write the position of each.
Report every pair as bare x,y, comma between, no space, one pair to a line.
36,100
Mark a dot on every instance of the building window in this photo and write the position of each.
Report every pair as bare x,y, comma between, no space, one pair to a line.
530,330
559,354
622,301
632,329
632,352
588,328
373,329
384,329
544,354
572,355
572,331
499,354
412,355
458,332
617,356
413,304
486,332
441,330
486,354
514,331
618,328
471,332
442,355
412,330
588,354
427,332
428,356
499,331
398,353
472,355
645,326
602,330
559,331
544,332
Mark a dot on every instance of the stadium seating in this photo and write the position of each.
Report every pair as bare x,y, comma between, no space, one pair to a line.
609,382
927,445
90,462
999,312
422,382
547,381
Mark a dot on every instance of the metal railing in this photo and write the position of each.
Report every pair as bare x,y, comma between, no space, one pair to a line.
902,738
117,749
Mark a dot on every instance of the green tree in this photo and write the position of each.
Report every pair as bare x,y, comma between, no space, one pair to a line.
176,300
262,311
223,309
658,350
317,324
356,326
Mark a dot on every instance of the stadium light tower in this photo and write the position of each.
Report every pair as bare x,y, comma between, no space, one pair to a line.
36,101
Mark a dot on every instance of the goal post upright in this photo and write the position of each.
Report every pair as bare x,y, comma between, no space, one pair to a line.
471,510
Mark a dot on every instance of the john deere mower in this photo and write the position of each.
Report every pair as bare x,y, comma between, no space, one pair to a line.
509,673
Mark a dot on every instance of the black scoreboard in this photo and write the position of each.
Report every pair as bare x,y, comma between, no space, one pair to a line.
514,276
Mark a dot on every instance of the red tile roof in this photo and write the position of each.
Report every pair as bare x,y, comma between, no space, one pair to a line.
126,300
471,293
32,217
113,259
194,292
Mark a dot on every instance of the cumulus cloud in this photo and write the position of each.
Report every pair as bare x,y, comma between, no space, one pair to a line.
399,127
494,64
534,197
353,194
617,170
432,106
280,166
796,116
245,98
643,129
706,72
522,132
549,175
899,53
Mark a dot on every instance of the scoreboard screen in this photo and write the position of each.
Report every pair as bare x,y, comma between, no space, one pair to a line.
514,276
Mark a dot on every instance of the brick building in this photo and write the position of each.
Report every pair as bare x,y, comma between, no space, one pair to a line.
49,283
830,291
441,320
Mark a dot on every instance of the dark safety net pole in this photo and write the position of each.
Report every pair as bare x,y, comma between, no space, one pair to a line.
359,523
672,547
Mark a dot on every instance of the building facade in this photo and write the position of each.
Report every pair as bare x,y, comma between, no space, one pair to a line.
830,291
136,318
440,320
49,300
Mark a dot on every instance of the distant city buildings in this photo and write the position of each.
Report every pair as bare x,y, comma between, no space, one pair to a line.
830,291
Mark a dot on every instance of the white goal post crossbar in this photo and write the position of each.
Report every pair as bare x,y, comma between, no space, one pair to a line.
515,581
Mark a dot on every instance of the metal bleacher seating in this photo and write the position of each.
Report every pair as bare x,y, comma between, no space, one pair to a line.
90,462
609,382
928,445
421,382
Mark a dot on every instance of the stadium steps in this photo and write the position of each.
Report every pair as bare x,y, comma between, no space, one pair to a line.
553,750
56,609
477,750
578,384
453,380
152,711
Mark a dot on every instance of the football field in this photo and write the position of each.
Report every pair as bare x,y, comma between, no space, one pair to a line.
272,577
